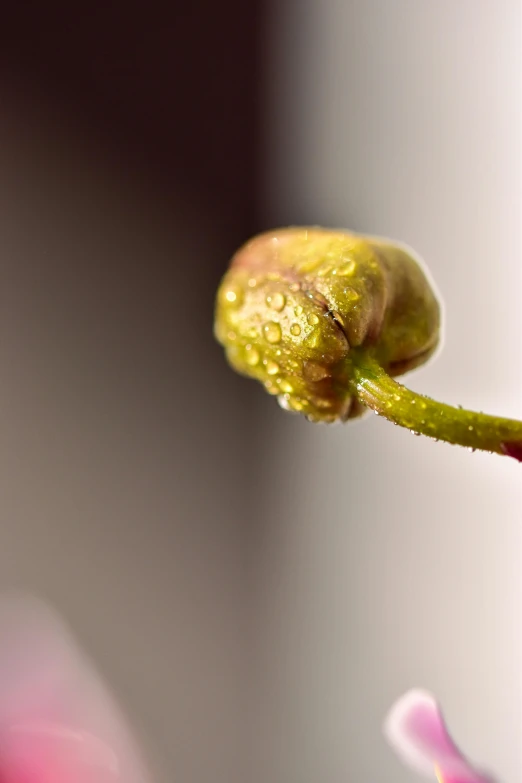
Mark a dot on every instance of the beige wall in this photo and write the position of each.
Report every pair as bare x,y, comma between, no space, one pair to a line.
388,561
120,453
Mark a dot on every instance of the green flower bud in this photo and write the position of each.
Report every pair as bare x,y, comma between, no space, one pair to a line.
296,303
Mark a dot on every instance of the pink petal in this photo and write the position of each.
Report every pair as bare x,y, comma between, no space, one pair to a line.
415,728
43,753
58,723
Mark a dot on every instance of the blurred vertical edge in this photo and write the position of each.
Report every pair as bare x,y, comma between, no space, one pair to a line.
129,167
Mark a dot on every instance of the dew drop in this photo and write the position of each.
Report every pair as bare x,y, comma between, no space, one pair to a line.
285,386
294,287
470,428
313,319
272,332
348,269
283,401
252,356
295,329
397,397
233,296
314,339
298,310
252,282
276,301
272,368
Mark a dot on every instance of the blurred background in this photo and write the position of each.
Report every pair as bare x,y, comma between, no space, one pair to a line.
258,590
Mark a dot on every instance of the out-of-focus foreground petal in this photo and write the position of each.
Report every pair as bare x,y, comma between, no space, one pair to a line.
416,730
58,722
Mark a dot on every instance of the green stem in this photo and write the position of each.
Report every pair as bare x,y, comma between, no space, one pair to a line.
424,416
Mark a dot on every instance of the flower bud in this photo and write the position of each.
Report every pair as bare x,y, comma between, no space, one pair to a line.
296,302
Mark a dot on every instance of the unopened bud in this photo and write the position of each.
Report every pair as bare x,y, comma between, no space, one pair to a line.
296,302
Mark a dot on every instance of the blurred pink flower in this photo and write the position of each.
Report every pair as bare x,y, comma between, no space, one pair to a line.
416,729
58,723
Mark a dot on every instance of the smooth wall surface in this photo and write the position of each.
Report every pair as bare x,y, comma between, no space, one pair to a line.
388,561
128,154
120,484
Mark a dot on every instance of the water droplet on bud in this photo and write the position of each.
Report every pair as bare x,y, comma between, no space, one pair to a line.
272,368
348,269
276,301
286,386
252,356
234,296
272,332
283,400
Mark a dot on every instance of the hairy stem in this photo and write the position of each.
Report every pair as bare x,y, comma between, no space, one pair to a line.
422,415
